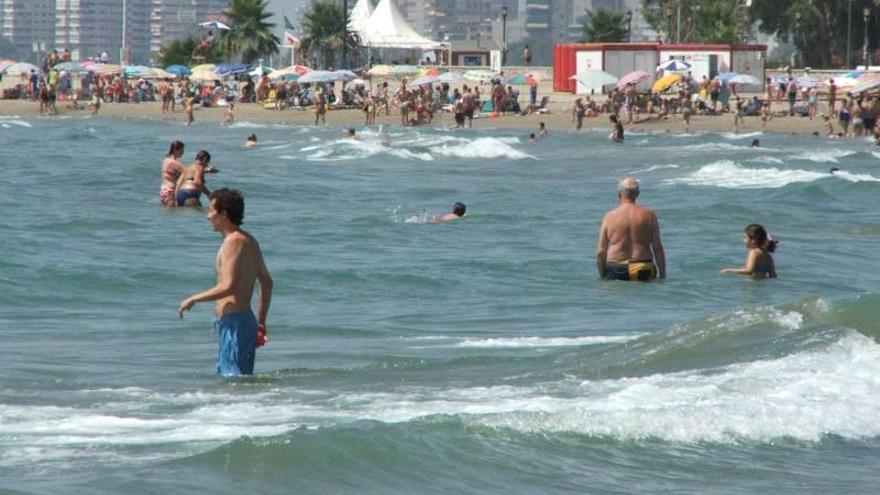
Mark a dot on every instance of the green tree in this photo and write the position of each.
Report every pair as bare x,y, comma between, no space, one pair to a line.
327,34
182,51
250,35
606,26
817,28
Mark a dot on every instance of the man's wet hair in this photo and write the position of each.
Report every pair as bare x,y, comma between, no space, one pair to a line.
756,143
231,202
459,208
252,137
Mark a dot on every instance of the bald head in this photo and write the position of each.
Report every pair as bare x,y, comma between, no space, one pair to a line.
628,187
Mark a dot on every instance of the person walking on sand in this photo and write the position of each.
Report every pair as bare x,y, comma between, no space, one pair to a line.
189,107
629,239
320,107
240,265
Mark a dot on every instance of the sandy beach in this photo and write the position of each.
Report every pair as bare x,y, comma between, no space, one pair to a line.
559,117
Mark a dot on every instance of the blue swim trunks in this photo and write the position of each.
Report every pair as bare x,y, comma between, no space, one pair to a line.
238,343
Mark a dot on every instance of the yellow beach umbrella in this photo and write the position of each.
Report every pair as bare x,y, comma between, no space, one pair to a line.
665,83
203,76
203,68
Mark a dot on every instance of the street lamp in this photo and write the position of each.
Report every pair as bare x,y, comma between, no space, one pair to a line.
503,35
848,31
865,13
344,34
797,28
629,19
669,23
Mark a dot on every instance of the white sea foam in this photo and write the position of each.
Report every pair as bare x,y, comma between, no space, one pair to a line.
825,156
538,342
804,396
727,174
7,123
485,147
745,135
843,174
244,124
772,160
652,168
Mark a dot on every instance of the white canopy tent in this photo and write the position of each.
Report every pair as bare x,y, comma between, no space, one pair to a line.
386,28
359,18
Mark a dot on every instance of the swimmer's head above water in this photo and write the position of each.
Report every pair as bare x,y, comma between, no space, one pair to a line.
459,209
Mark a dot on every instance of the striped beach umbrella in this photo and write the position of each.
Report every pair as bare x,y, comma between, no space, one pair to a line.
674,65
634,78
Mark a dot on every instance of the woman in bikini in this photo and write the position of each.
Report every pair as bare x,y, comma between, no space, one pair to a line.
171,170
191,183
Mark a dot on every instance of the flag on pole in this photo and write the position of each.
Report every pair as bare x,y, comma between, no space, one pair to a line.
288,24
290,40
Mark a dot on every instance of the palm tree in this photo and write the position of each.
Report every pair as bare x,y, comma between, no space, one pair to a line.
606,26
181,52
327,33
250,35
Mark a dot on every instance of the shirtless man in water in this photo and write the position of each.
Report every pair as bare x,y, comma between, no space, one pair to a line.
239,266
629,239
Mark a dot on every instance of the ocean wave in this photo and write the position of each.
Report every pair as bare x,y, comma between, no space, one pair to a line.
652,168
825,156
539,342
727,174
485,147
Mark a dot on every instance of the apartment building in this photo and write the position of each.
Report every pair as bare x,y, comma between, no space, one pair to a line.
27,26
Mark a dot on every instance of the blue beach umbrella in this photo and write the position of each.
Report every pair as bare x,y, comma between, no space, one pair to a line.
726,76
178,70
227,69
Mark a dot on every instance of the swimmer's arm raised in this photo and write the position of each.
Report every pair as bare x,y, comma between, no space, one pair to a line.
230,261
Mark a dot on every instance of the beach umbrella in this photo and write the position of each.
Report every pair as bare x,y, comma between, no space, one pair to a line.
808,82
674,65
70,67
853,74
633,78
343,75
864,87
228,69
20,68
297,70
318,76
745,79
404,70
178,70
726,76
665,83
450,77
107,69
433,71
138,71
479,75
358,82
380,70
5,63
424,80
204,76
214,25
203,68
869,77
841,82
519,79
261,71
594,78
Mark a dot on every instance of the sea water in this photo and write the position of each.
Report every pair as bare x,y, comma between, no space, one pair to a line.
480,356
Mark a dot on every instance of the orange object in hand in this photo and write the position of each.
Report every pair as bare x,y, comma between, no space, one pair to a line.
261,335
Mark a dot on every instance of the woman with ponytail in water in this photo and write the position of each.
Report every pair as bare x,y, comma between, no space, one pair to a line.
759,262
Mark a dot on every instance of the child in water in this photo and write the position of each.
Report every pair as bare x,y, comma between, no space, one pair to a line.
759,262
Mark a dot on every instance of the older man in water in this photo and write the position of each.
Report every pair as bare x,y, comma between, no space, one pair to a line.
239,266
629,239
